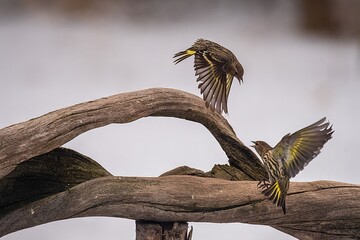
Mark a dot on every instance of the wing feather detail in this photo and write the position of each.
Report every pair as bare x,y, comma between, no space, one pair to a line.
213,81
299,148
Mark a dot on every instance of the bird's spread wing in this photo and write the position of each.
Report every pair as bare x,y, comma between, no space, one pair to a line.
214,82
298,149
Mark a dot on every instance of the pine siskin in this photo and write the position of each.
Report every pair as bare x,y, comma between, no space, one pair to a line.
289,157
215,67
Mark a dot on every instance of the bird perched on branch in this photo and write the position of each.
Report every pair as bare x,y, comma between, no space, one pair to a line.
289,157
215,67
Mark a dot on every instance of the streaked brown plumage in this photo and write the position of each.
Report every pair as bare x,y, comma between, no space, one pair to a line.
289,157
215,67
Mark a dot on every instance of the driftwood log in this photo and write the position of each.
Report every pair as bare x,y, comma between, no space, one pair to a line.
41,182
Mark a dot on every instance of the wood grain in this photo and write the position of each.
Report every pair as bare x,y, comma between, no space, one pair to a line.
313,213
40,183
23,141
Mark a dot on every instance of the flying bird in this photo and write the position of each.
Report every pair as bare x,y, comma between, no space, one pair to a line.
289,157
215,67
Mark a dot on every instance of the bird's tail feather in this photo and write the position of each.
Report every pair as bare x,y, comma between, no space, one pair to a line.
183,55
277,193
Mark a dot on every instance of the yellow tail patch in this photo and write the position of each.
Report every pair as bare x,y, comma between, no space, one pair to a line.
190,52
276,193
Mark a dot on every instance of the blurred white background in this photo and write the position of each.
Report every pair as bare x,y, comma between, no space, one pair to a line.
301,60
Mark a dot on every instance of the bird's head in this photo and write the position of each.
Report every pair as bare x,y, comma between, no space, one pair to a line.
261,147
238,71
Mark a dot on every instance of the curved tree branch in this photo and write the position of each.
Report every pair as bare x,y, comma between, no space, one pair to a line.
40,186
64,184
23,141
314,212
61,169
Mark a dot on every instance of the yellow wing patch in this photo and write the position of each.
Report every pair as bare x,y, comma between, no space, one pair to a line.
208,60
295,150
229,79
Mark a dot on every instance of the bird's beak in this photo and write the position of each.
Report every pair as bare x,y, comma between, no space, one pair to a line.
253,143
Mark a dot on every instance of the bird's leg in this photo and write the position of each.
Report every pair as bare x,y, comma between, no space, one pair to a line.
263,184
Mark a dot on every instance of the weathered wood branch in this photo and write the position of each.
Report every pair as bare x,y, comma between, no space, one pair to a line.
64,184
61,169
23,141
39,185
46,175
316,210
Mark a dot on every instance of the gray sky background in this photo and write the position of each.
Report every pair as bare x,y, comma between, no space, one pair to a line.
48,61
